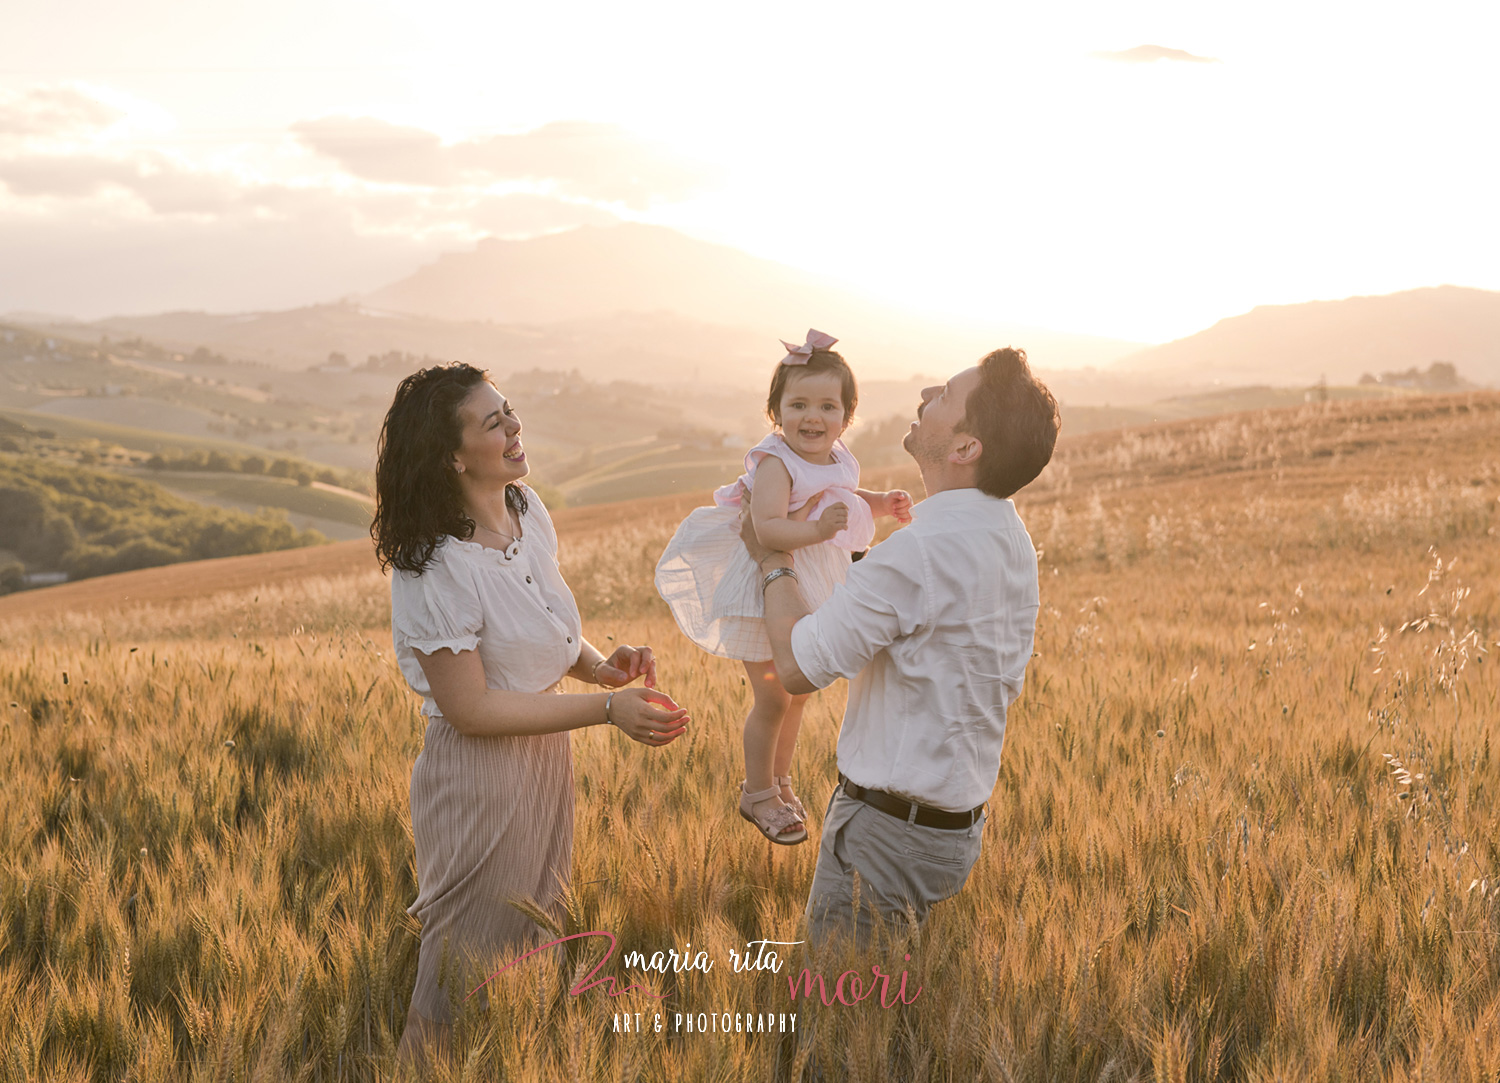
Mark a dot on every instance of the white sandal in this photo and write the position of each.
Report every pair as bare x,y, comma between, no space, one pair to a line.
781,824
794,802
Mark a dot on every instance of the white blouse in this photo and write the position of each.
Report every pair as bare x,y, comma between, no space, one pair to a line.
511,604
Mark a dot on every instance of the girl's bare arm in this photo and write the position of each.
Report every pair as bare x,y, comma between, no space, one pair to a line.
768,511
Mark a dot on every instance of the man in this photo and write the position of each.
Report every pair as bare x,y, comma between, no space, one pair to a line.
934,628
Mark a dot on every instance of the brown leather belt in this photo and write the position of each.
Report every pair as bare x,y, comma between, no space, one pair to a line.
901,808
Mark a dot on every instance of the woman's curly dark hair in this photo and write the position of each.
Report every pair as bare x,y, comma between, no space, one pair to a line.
417,495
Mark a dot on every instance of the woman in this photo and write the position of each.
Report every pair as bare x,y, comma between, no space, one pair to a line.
485,629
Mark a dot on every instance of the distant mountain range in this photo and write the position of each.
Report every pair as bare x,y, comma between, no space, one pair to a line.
634,346
648,304
1339,340
633,301
597,272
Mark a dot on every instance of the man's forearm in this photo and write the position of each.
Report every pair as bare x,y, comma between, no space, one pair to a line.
784,607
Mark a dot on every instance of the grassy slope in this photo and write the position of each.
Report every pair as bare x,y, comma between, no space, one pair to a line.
1245,824
149,441
333,511
250,490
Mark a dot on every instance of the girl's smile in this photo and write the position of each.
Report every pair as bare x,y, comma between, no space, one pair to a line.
812,415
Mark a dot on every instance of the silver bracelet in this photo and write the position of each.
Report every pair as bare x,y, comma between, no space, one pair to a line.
607,720
594,673
775,575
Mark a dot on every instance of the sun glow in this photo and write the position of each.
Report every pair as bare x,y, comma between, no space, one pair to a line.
1134,173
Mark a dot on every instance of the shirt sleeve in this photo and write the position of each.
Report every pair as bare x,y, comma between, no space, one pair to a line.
771,445
436,609
882,600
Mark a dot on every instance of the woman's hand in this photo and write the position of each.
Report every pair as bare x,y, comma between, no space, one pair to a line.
625,665
648,716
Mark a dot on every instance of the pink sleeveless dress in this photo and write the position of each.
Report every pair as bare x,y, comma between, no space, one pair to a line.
708,579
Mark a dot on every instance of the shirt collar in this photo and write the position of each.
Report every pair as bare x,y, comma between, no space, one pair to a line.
955,498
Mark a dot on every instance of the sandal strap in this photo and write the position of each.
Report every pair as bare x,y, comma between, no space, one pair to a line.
763,795
780,818
774,821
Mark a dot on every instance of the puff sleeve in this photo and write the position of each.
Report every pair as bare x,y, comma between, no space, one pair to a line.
437,609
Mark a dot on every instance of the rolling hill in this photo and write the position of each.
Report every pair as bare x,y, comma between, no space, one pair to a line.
1331,464
1342,340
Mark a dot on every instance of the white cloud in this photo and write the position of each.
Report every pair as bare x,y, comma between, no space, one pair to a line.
599,162
98,215
377,150
92,236
1150,54
162,185
53,111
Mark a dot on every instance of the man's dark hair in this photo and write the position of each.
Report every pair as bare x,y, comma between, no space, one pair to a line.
1015,418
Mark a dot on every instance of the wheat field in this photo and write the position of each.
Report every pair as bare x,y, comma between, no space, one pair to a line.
1245,825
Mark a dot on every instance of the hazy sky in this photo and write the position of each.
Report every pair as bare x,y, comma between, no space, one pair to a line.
1021,162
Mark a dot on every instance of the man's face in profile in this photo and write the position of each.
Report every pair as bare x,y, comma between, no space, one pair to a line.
931,436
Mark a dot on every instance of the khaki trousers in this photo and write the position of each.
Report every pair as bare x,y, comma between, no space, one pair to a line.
903,868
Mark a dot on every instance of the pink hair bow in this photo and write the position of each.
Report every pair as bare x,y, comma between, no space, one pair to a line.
798,355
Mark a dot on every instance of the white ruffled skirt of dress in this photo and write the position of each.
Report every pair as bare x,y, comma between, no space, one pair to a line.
714,589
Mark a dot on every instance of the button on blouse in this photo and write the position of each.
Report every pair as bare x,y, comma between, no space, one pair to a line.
511,605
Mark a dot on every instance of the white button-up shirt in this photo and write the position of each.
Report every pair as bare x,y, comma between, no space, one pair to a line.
934,628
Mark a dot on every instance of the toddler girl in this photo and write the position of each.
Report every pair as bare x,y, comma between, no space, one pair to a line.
802,484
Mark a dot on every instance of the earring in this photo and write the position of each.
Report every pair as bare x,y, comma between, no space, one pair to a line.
458,467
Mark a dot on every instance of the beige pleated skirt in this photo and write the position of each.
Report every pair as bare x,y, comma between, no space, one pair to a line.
493,822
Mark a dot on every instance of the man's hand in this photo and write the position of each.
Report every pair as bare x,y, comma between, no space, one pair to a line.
898,503
753,546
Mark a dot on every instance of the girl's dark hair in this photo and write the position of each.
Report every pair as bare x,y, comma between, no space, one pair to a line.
417,495
820,361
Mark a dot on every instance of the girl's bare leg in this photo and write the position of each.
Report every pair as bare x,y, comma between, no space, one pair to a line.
786,743
764,726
